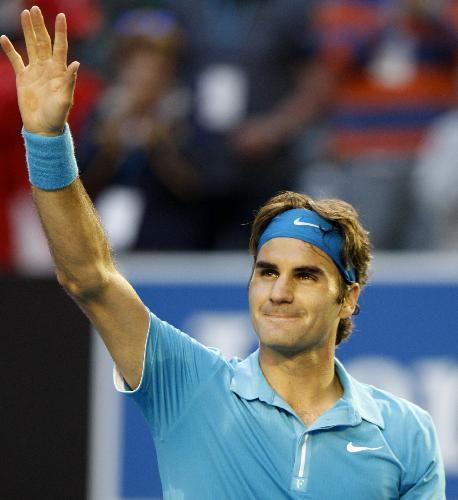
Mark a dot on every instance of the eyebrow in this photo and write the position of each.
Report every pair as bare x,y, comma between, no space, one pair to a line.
315,270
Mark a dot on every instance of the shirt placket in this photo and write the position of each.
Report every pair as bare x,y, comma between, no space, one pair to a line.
299,479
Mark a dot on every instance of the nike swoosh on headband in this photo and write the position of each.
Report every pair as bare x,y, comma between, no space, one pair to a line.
298,222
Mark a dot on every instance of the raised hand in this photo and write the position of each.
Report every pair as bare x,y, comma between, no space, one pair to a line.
45,86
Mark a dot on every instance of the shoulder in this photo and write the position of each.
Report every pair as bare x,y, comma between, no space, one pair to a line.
406,426
167,342
396,411
411,441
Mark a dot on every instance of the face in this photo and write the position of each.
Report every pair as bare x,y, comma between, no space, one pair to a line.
147,75
293,295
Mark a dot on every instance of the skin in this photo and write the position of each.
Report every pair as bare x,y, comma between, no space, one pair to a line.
293,304
84,265
146,76
260,135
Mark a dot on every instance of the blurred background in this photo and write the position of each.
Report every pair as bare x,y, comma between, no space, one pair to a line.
187,117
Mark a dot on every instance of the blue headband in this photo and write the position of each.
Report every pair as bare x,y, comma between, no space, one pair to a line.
310,227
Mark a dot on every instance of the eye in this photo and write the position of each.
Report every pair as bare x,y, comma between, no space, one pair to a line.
303,276
269,273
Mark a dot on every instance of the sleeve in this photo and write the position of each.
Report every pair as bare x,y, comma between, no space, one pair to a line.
341,32
424,476
175,368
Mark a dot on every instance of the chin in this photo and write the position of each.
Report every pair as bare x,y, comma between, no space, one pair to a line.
289,345
280,342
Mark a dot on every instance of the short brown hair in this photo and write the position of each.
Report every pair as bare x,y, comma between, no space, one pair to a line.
356,250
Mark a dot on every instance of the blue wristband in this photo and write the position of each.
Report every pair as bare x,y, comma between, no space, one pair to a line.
51,160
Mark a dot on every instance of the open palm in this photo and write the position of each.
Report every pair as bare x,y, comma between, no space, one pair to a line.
45,86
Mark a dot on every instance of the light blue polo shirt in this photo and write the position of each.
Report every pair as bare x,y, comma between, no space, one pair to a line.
221,431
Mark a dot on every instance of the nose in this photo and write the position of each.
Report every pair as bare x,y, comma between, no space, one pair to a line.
282,291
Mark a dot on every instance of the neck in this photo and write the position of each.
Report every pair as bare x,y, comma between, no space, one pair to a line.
306,381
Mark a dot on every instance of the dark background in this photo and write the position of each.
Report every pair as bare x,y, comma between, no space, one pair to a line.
44,391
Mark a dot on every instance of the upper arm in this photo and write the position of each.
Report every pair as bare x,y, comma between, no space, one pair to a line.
176,369
430,484
425,476
121,318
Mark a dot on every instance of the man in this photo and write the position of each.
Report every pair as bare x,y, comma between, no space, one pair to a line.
287,422
255,86
394,67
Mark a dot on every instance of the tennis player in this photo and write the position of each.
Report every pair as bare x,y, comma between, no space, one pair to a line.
288,421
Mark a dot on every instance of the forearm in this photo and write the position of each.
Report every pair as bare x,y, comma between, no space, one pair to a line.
76,239
308,100
72,227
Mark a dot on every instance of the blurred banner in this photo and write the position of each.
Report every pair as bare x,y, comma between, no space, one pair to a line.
405,341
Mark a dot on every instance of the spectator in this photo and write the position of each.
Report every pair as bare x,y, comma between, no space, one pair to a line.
254,84
130,145
98,48
394,65
434,186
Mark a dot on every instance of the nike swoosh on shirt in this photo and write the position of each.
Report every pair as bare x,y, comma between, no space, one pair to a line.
298,222
355,449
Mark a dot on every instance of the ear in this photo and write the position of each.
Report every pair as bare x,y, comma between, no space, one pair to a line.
351,299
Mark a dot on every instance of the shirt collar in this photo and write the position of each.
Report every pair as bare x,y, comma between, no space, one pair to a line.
249,381
355,405
359,397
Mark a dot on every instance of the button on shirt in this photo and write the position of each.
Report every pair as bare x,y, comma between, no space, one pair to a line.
221,431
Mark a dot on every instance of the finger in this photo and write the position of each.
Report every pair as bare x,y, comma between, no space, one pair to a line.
70,76
29,36
44,50
14,58
72,69
60,47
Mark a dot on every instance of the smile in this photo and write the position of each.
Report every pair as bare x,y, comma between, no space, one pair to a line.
282,317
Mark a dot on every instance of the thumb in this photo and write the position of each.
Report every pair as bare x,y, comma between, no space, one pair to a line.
71,73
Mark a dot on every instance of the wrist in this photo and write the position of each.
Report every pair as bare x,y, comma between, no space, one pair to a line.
50,159
45,134
53,132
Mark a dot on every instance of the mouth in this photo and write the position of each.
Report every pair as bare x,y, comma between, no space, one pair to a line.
281,317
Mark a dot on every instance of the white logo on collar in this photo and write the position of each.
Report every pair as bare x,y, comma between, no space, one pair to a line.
298,222
356,449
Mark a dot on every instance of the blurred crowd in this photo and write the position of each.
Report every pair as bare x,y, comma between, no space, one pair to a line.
189,114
